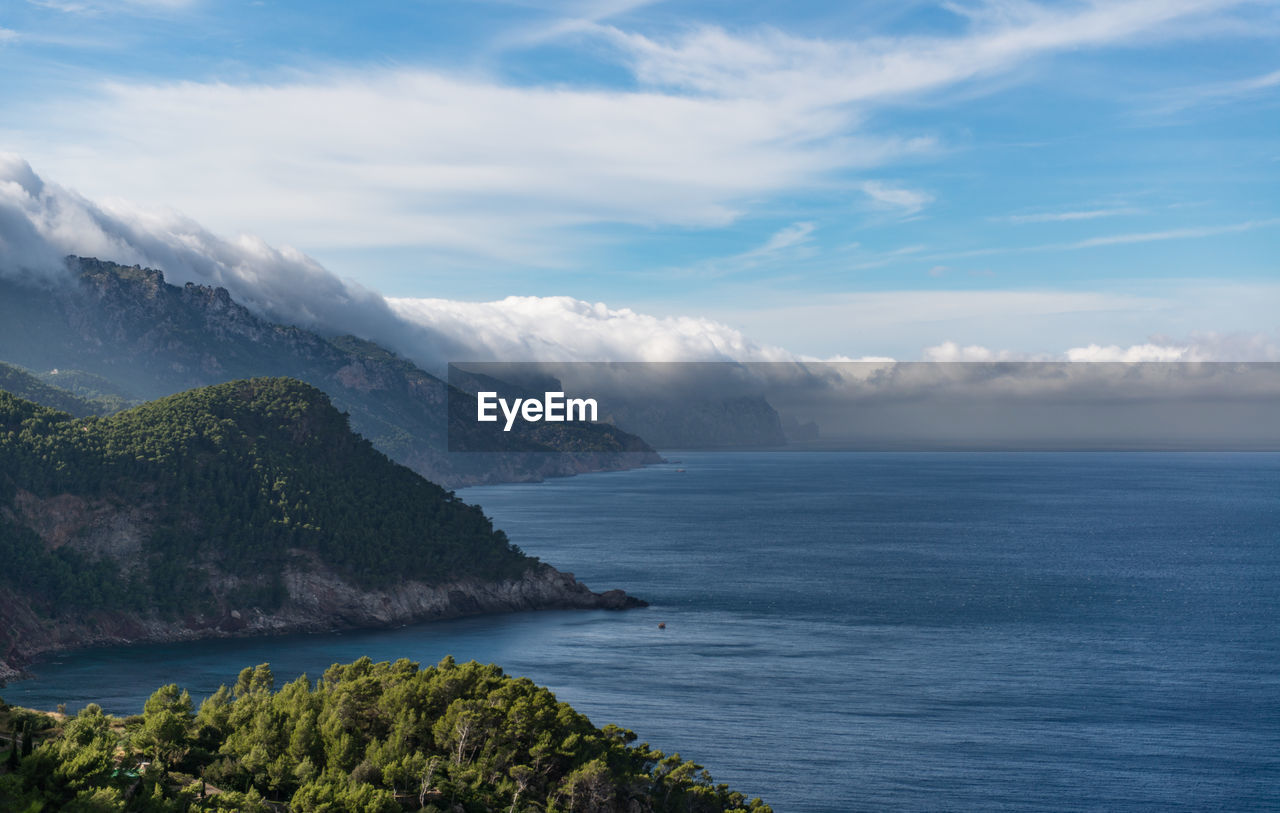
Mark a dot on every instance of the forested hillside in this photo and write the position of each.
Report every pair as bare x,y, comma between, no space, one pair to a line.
244,503
365,738
17,381
244,475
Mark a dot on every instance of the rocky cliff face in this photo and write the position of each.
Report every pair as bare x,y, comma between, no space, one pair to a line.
318,601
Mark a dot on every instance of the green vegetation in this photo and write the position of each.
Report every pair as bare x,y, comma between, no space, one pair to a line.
100,392
366,737
19,382
240,478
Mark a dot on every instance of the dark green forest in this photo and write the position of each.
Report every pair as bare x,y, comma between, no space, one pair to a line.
237,477
366,737
27,385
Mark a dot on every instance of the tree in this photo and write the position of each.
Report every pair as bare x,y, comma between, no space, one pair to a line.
12,760
166,725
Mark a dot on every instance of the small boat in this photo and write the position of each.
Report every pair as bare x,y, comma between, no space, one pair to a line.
662,625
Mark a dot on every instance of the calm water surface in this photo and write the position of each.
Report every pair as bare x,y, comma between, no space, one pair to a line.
877,631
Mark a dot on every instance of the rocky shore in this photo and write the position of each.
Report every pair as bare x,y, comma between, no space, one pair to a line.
318,601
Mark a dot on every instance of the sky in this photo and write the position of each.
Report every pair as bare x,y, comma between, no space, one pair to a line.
836,180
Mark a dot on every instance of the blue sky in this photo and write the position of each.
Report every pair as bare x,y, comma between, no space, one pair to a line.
833,178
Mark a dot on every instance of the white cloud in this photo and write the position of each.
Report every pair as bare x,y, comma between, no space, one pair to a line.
950,351
560,328
1137,352
418,158
1220,92
102,6
1175,234
792,235
1197,347
1055,217
1186,233
768,63
41,222
886,196
472,167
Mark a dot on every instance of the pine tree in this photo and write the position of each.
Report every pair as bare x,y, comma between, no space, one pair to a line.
12,760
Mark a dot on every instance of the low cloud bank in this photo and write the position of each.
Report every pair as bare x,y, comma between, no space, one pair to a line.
41,223
560,328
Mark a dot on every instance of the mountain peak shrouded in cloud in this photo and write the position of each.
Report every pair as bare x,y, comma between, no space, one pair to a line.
41,223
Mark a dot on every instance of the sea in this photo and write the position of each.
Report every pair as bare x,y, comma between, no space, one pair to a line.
864,631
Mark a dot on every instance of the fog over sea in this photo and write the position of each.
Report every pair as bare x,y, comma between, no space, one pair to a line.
857,631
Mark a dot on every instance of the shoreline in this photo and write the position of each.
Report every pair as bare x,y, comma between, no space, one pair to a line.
321,602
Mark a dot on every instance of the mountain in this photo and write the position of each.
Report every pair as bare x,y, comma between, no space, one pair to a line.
239,508
20,382
143,338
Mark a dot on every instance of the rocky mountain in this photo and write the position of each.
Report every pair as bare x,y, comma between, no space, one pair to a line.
123,334
245,507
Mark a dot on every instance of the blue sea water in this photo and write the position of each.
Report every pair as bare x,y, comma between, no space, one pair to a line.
1090,631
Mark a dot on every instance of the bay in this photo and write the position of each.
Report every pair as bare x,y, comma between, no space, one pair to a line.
843,631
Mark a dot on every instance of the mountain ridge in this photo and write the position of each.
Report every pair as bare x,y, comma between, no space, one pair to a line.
150,339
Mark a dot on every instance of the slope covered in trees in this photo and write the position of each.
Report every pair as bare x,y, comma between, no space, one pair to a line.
366,737
243,508
243,476
28,386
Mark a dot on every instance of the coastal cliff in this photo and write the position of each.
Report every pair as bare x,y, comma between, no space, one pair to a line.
246,508
318,600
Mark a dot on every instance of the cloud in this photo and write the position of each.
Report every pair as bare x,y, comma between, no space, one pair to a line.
1198,347
41,223
1219,92
1187,233
471,168
767,63
793,235
465,167
885,196
103,6
1175,234
1056,217
950,351
559,328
